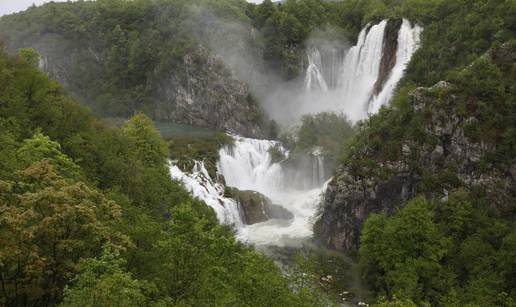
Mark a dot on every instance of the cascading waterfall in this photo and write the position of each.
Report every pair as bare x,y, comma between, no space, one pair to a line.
333,83
408,42
318,171
314,78
199,183
353,94
247,165
361,68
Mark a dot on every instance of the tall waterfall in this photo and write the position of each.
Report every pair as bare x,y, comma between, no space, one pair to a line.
408,42
354,92
361,67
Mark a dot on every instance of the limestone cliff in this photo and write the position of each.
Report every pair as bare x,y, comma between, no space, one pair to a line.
208,94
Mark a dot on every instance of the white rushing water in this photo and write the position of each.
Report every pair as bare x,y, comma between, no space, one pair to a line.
340,83
360,70
247,165
353,93
408,42
199,183
314,78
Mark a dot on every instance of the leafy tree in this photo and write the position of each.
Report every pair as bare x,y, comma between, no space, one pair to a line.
40,147
30,56
104,282
401,254
48,225
149,146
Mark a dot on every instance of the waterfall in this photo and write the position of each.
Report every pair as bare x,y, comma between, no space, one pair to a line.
199,183
247,165
314,78
359,71
318,173
408,42
361,68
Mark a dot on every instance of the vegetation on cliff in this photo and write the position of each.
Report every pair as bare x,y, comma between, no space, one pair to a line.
438,168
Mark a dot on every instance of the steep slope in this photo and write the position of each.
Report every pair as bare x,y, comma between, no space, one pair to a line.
453,135
120,57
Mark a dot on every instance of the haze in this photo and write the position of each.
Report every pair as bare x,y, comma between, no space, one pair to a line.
14,6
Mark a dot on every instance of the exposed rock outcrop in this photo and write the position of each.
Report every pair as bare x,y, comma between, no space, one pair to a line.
257,208
209,95
202,92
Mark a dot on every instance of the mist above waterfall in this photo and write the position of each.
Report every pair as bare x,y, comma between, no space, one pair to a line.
338,76
346,84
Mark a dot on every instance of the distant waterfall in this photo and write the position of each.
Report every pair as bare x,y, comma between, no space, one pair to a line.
353,93
314,77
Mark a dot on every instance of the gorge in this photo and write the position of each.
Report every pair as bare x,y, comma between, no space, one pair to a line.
356,85
287,153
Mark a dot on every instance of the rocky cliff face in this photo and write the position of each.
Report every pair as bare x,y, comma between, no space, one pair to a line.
208,94
201,92
437,158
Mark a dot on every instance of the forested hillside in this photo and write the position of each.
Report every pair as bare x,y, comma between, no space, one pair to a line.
90,215
433,174
121,57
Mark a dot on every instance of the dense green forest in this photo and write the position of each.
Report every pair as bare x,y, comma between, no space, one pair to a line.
88,211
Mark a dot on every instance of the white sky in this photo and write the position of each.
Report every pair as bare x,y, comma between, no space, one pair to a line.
13,6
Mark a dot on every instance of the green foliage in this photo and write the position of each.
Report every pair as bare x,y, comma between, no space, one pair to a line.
186,149
103,282
383,302
400,255
329,131
29,56
40,147
149,147
327,134
48,224
455,253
